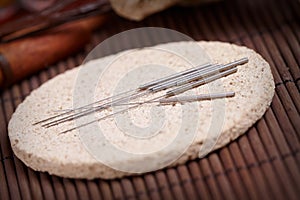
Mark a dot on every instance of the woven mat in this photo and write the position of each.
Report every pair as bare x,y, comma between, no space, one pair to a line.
262,164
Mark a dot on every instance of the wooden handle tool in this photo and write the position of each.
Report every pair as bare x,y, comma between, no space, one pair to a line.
23,57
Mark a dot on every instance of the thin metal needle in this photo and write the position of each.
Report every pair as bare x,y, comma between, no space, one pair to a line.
82,113
187,80
182,99
161,99
82,107
184,78
192,85
140,88
90,111
161,80
198,74
191,98
110,115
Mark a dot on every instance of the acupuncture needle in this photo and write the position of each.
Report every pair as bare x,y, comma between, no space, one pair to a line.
183,99
137,92
83,107
161,80
168,94
92,110
161,99
140,88
192,85
105,106
110,115
100,107
198,74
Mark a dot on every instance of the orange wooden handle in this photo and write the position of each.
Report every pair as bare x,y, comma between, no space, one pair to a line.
23,57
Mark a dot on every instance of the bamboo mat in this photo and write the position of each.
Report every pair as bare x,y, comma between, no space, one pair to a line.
262,164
